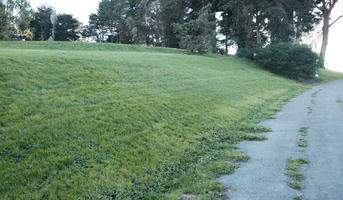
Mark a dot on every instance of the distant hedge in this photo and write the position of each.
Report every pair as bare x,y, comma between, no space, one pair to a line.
290,60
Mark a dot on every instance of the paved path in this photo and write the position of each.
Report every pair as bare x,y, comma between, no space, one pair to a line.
262,177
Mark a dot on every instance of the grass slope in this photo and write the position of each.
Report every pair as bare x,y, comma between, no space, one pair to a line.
103,121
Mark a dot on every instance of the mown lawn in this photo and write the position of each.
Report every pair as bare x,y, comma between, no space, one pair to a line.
100,121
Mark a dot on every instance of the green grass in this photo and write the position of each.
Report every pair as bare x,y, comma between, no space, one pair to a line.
303,131
314,95
296,175
293,167
295,185
298,196
82,46
339,101
302,143
100,121
309,110
327,75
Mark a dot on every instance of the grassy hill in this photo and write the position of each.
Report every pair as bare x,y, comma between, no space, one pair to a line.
104,121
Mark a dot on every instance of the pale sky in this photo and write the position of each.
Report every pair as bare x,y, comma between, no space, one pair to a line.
81,9
335,48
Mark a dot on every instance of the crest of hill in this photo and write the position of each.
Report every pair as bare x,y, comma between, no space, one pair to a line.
87,47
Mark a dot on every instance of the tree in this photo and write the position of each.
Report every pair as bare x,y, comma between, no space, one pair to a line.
95,30
3,21
326,7
19,16
111,14
66,28
251,23
243,22
41,24
172,12
127,21
198,35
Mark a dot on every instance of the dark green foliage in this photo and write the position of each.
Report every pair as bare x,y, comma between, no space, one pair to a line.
250,23
66,28
41,24
290,60
182,23
3,21
15,18
111,17
94,29
131,22
147,22
19,15
172,12
248,53
243,22
198,35
289,19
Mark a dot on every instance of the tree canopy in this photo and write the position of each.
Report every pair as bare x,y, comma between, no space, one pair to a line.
187,24
66,28
41,24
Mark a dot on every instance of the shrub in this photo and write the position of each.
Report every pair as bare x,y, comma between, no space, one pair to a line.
290,60
247,53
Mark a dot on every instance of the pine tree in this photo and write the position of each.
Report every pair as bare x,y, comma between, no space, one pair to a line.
66,28
198,35
41,24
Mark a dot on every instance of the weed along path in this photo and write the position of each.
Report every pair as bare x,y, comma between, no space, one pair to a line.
302,158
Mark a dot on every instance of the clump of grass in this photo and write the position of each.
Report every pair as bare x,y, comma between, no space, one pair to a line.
310,110
339,101
301,161
253,137
294,164
298,196
303,131
221,167
302,143
313,101
235,156
314,95
295,185
293,173
296,175
252,128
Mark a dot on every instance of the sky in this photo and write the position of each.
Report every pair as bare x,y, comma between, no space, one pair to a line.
81,9
335,48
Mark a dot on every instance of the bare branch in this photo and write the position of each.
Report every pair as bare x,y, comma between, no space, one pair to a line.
336,20
332,5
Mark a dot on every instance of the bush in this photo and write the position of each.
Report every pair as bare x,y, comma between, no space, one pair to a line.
247,53
290,60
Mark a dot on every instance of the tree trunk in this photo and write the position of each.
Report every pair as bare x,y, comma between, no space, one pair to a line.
226,45
326,25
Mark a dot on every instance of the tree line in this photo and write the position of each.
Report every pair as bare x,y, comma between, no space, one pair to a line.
189,24
18,21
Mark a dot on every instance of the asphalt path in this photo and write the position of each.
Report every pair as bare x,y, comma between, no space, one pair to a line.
263,176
